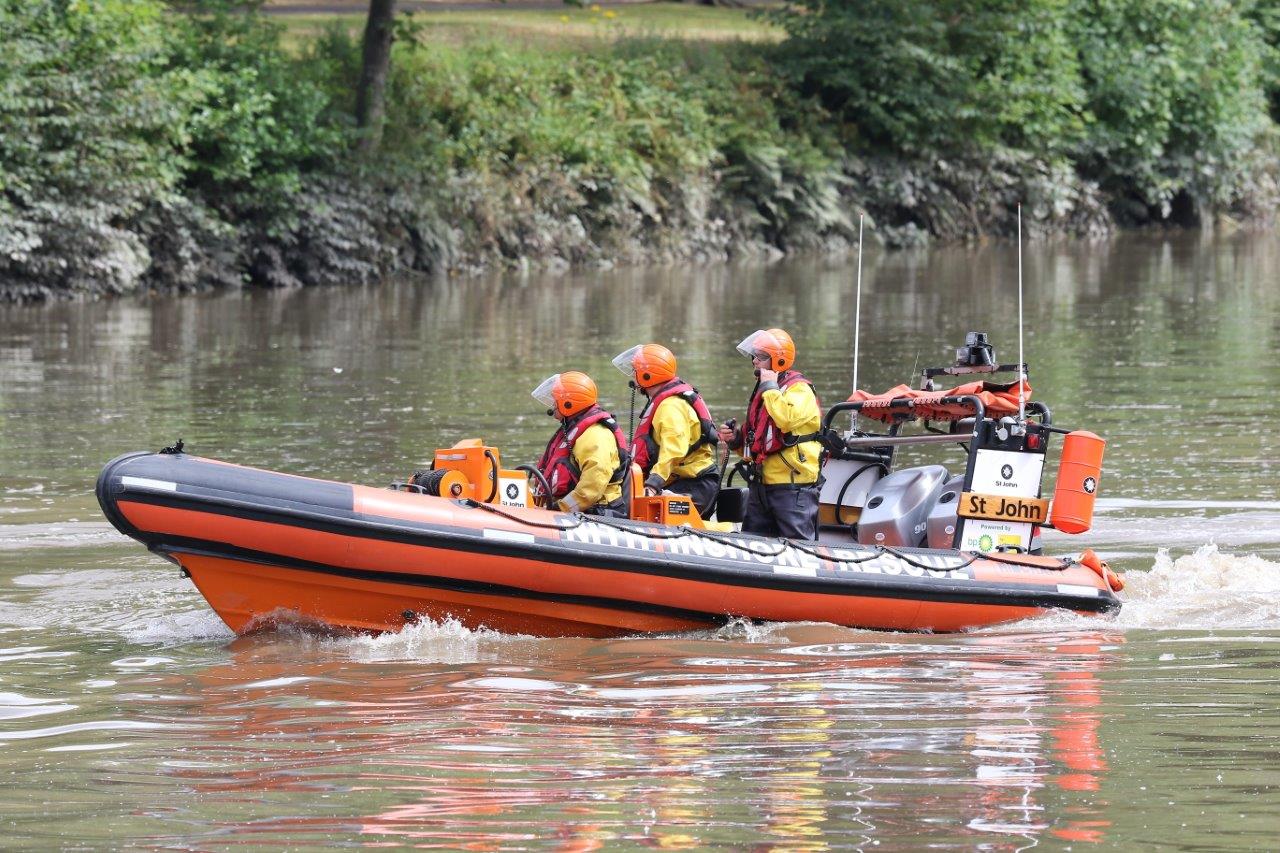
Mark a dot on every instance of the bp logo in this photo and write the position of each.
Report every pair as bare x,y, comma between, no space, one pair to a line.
513,491
985,543
1090,485
1006,471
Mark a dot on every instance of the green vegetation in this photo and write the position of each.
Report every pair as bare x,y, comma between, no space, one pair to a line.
917,76
147,147
676,21
142,148
1159,101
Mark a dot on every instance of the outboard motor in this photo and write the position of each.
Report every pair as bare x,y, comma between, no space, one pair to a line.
897,508
942,515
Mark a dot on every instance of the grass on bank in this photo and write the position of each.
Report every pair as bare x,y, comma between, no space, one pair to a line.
676,21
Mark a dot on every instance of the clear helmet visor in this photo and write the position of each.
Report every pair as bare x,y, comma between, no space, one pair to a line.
625,361
753,343
545,392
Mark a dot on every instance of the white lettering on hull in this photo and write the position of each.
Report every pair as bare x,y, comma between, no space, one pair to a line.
781,558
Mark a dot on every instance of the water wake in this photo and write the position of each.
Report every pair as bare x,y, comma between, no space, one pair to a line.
447,641
1203,590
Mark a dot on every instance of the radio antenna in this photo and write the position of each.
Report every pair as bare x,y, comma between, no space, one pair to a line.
857,307
857,325
1022,364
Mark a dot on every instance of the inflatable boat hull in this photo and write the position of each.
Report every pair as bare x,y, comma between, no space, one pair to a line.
261,546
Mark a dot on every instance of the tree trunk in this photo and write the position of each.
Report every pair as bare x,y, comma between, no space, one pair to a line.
376,61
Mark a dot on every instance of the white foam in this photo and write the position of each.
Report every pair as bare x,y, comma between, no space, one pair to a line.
179,627
748,631
448,641
1203,590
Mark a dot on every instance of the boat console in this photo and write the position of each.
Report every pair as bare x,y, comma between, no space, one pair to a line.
991,501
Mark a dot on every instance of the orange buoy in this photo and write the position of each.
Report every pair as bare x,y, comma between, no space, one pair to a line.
1079,471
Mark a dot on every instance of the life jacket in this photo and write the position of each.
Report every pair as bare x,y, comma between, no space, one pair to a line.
646,447
763,437
557,463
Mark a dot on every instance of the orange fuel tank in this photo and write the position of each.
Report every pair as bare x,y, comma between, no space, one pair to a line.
1079,471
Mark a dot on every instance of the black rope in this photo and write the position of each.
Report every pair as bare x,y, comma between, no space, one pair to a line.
973,558
474,504
716,537
833,558
428,481
849,482
677,532
1064,563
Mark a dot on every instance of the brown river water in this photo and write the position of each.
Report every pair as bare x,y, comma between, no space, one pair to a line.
130,716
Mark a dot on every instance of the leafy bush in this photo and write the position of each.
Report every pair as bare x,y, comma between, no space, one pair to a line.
922,76
1175,88
119,116
631,122
262,119
92,124
1265,15
1162,102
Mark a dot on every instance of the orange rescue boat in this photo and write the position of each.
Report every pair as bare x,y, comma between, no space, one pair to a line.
916,549
260,545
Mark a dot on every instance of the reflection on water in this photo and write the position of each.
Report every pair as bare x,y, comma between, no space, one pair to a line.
125,702
821,738
802,737
780,737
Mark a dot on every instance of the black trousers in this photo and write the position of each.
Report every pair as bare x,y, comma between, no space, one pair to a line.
786,510
702,490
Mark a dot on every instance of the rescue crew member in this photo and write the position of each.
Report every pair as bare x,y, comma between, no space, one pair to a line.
779,440
675,442
585,459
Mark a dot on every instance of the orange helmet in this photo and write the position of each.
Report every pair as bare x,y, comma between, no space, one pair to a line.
567,394
772,343
648,365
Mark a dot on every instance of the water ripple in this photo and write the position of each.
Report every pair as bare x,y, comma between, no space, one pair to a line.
94,726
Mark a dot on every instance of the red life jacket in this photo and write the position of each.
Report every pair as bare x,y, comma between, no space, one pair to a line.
763,437
646,448
557,463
